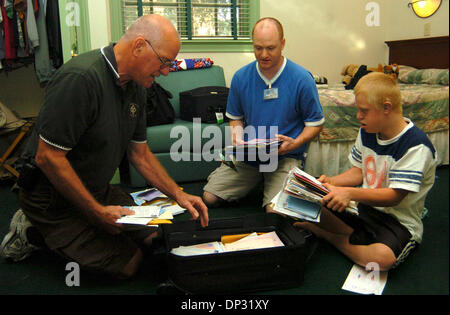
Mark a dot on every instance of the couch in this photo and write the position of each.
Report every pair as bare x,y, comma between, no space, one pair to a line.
193,166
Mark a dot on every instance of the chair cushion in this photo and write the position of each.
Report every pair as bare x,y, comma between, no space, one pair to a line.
187,136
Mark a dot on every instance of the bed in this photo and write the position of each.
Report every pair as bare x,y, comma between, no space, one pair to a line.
423,82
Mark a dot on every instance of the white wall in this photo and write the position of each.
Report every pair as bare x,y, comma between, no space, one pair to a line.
325,35
407,25
321,35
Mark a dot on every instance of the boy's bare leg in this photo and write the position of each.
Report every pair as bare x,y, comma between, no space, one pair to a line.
269,209
336,232
331,223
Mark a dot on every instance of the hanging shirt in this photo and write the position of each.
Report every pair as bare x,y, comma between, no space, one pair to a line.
8,29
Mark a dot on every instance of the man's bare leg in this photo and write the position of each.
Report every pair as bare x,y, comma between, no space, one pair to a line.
211,200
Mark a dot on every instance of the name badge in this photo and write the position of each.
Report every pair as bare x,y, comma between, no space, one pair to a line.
271,94
219,117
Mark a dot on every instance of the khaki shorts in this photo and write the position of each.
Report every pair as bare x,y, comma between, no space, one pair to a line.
230,185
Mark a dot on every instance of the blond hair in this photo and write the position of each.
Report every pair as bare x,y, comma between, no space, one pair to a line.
380,88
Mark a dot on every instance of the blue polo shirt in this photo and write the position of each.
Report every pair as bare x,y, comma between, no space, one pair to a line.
296,106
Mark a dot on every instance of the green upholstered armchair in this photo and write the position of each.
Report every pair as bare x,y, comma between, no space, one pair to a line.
192,166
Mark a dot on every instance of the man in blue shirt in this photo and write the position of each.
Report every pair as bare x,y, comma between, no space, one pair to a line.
274,97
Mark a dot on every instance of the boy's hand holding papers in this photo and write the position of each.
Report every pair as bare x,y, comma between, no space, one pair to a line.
302,197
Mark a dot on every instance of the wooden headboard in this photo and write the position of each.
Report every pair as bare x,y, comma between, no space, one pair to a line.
422,53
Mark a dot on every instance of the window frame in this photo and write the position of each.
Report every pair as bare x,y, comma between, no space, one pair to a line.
192,45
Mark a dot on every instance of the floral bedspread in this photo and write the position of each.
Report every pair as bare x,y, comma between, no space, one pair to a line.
426,105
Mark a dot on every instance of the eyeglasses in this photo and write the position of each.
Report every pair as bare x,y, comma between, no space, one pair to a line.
164,64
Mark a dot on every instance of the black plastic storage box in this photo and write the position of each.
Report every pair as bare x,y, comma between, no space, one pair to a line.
209,103
238,271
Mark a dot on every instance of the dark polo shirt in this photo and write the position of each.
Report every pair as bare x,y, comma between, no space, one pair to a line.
87,113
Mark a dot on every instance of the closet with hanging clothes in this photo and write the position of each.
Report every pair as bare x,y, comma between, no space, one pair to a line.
30,52
30,34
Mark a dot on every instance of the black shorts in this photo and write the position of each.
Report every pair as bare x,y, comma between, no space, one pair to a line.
373,226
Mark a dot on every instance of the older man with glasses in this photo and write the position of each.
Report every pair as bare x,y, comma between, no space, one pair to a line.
93,114
164,63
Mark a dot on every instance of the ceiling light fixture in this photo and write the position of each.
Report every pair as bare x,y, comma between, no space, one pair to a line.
425,8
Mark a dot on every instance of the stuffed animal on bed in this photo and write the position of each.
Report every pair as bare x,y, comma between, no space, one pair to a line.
352,73
393,69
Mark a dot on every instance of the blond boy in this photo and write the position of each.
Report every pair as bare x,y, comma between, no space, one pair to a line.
393,169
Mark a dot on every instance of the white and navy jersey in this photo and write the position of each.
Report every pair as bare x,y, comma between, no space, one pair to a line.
408,161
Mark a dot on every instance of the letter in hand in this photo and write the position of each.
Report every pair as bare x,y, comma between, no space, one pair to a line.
108,215
237,141
288,144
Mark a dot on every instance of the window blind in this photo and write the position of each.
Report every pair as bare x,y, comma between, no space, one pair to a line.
196,19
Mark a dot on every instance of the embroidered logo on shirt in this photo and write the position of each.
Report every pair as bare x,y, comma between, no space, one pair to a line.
133,110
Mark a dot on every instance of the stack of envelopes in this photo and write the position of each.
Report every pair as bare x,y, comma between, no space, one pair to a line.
301,197
256,150
153,208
